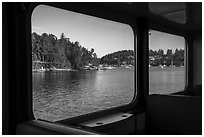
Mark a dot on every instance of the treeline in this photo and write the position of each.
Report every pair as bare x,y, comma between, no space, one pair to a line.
158,57
124,57
60,53
50,52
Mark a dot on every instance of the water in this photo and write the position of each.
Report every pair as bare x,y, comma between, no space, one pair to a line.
61,95
166,80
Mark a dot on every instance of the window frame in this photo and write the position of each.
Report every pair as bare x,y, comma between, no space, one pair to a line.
116,17
187,86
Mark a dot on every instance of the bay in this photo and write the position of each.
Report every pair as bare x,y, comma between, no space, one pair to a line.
65,94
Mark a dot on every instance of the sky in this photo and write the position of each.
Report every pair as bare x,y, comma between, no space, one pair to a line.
104,36
161,40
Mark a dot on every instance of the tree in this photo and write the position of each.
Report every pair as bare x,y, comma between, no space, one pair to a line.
118,58
61,53
169,57
178,57
62,36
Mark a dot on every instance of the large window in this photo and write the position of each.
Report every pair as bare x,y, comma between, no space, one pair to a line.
81,64
166,63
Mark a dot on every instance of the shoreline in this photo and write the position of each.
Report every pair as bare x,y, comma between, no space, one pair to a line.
49,70
105,69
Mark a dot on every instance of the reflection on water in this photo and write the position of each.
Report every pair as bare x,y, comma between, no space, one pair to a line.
60,95
166,80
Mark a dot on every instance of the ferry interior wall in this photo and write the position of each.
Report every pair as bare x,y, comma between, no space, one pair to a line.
179,113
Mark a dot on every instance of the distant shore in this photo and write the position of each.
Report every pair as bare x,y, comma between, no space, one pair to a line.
98,68
43,70
85,69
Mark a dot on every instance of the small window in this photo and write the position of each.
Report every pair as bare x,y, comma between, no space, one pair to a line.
81,64
166,63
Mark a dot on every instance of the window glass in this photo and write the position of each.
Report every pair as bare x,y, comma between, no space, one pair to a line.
81,64
166,63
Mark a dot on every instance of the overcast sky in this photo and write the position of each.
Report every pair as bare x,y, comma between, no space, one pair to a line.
160,40
103,35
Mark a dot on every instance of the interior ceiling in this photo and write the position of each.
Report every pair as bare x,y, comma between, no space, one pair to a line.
173,11
165,7
168,13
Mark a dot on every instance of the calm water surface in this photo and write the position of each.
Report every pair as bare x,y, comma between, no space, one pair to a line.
61,95
166,80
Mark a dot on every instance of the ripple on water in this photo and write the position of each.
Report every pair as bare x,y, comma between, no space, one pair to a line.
78,95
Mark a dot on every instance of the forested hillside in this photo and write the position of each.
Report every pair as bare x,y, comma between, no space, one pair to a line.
50,52
124,57
158,57
61,53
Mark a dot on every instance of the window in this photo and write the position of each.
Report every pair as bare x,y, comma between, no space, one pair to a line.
166,63
81,64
